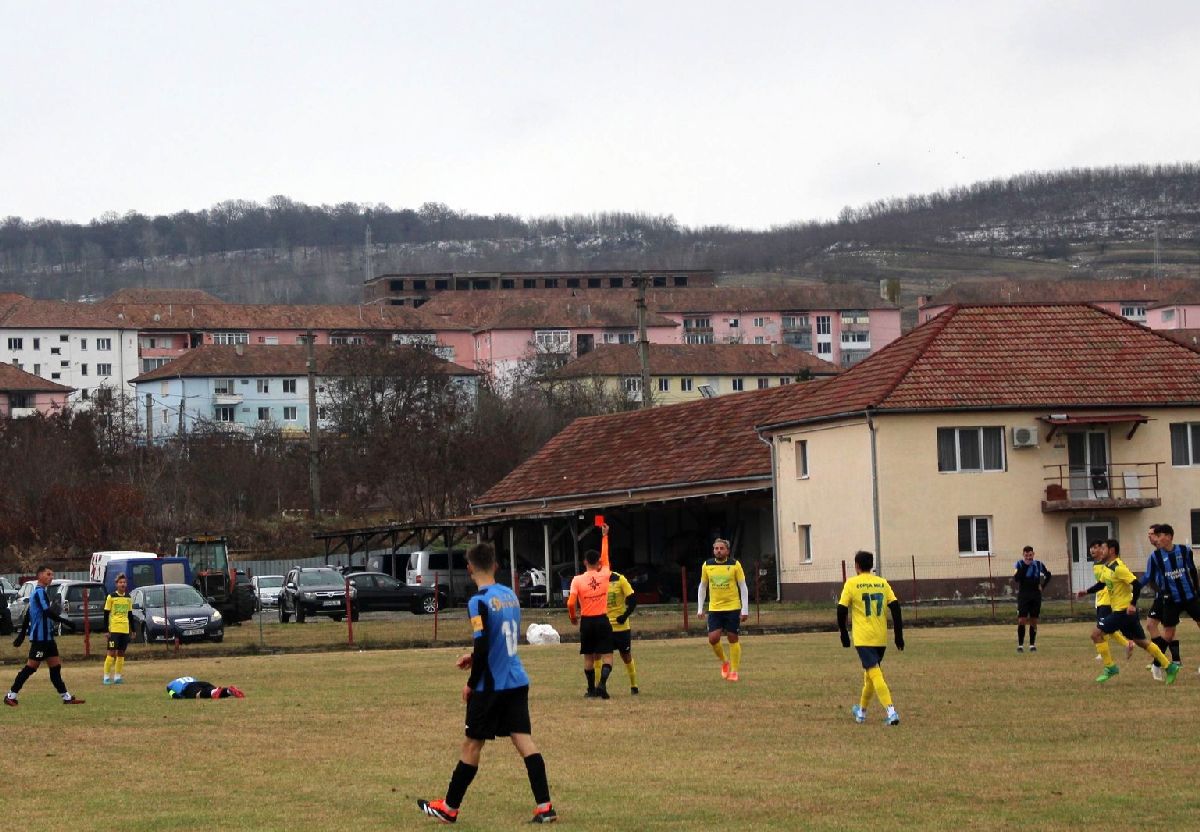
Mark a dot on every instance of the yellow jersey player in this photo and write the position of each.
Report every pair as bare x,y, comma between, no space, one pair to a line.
863,598
728,607
1098,551
116,611
621,603
1123,590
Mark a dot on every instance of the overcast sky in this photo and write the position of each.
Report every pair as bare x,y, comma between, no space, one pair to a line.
746,114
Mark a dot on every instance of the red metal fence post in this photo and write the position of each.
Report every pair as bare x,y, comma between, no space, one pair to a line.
1070,583
87,626
991,586
843,571
349,614
437,606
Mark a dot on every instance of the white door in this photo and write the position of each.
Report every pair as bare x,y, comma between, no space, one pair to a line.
1082,535
1087,458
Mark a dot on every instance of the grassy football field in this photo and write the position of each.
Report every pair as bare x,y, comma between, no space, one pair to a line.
349,740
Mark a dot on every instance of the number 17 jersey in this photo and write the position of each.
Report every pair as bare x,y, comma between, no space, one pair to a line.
867,597
496,616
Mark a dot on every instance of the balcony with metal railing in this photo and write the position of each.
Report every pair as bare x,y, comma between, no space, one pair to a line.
1119,485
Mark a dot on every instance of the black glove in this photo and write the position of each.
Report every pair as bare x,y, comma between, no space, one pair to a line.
845,639
900,643
621,619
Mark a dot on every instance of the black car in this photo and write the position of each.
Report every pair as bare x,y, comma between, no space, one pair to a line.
67,597
317,590
377,591
164,612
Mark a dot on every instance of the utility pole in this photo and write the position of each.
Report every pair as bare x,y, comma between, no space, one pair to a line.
643,340
149,420
367,267
314,447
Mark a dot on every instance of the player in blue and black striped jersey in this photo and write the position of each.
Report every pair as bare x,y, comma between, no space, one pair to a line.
1031,577
42,647
1172,569
496,693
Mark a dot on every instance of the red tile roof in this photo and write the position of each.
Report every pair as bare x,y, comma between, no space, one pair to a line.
1190,337
544,309
707,441
56,314
149,295
228,316
696,359
249,360
20,381
1004,357
1059,291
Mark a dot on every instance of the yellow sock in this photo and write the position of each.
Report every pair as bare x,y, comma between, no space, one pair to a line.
120,664
108,665
1106,654
868,691
599,663
631,669
1158,655
1118,638
881,688
716,648
735,656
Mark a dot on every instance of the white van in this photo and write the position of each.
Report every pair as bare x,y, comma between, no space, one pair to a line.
450,567
101,559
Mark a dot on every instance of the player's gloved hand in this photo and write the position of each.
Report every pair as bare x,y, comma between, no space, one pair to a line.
900,643
621,619
845,639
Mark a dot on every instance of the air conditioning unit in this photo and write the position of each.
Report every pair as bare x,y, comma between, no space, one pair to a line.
1024,437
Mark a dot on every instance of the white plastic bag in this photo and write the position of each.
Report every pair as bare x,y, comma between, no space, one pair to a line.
542,634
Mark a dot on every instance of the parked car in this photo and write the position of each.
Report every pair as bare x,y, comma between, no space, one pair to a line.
449,568
377,591
315,590
67,596
266,590
8,591
169,611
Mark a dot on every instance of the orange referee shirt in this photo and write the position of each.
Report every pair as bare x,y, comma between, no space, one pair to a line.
590,592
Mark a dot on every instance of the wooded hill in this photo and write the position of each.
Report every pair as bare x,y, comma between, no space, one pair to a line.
1085,222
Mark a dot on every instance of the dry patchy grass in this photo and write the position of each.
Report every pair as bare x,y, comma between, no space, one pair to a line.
349,740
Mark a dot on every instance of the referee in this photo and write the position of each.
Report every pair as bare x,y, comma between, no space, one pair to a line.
1031,577
589,592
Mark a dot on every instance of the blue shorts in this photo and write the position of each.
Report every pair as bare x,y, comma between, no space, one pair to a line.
870,656
729,621
1124,623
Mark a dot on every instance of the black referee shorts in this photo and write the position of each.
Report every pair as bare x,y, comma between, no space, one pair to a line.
595,635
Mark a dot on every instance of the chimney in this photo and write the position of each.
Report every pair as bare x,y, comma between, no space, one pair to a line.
240,349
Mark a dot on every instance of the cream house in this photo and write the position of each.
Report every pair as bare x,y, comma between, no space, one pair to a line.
984,430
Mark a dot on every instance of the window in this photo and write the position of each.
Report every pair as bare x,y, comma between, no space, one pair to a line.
223,387
758,339
441,285
824,325
17,364
104,344
764,383
616,282
1185,443
223,413
739,385
970,449
824,348
62,339
343,340
64,364
553,340
56,350
263,385
37,343
551,283
85,394
1133,311
734,323
528,283
784,380
322,413
289,414
507,283
55,376
83,369
104,369
975,535
685,384
83,343
302,339
658,280
37,369
795,322
1168,314
164,415
268,339
572,282
620,337
419,285
760,322
593,283
633,384
854,316
802,459
806,544
16,343
264,414
289,385
697,323
231,337
149,364
664,385
856,337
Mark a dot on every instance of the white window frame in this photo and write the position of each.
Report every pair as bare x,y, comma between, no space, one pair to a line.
16,343
685,385
801,459
553,340
958,465
289,385
1191,444
632,384
974,520
664,385
764,383
104,344
738,385
221,411
760,322
824,348
228,338
289,413
824,325
262,385
805,534
263,410
104,369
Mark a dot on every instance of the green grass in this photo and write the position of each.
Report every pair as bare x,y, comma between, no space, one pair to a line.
349,740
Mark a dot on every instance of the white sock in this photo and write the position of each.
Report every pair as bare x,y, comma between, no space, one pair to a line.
67,696
10,695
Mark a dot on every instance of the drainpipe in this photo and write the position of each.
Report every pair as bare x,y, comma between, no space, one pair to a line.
875,491
774,519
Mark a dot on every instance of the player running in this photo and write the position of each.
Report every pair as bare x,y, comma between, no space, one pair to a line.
1123,590
1099,554
1031,577
1172,570
116,614
728,607
496,693
866,595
